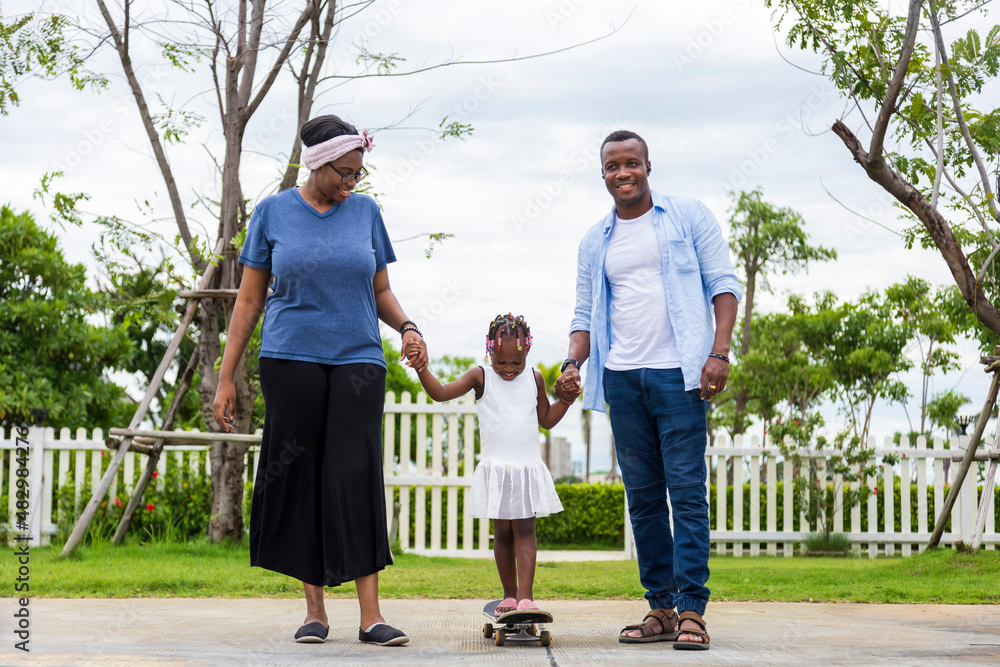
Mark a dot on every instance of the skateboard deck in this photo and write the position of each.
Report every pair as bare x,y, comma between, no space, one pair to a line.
517,625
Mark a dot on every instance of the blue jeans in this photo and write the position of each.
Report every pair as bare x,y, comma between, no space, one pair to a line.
660,435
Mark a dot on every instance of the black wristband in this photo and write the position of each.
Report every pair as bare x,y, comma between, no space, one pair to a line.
716,355
405,322
410,328
562,369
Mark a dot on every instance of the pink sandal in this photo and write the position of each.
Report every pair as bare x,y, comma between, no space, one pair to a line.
527,605
510,604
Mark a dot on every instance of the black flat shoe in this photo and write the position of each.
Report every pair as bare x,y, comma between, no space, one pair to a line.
383,635
311,633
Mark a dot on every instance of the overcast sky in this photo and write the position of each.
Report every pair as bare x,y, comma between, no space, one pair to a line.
705,84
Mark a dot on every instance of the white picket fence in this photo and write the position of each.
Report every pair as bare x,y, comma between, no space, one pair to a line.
430,456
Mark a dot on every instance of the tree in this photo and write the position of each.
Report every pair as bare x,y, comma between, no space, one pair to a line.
864,355
766,240
914,305
908,85
943,409
785,375
54,358
829,351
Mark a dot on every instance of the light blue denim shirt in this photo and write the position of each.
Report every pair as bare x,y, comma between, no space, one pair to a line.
696,268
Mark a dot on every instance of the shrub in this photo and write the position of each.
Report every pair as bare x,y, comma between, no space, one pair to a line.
177,512
592,514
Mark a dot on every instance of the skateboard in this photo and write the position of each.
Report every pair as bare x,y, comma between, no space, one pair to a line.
517,626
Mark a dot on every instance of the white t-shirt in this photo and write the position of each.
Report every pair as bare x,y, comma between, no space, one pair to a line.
641,335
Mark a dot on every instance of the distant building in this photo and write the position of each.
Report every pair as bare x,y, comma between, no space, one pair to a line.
560,463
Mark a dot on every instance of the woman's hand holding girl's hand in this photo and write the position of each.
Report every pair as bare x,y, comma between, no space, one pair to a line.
225,404
415,351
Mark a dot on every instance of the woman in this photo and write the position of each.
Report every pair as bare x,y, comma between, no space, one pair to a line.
318,511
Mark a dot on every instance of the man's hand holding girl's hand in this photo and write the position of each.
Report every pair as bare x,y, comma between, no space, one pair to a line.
568,385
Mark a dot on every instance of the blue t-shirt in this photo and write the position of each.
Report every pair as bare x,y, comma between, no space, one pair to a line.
322,307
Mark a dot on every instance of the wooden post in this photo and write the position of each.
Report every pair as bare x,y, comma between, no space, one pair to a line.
208,293
984,502
970,453
154,453
140,412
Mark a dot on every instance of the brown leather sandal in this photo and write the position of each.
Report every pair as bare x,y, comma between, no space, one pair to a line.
668,628
687,644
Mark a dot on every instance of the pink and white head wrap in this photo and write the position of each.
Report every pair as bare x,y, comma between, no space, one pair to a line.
314,157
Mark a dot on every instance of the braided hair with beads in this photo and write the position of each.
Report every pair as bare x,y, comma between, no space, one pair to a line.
510,327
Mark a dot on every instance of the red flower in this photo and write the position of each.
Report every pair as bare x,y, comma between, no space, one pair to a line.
102,454
875,490
118,502
150,507
796,421
155,474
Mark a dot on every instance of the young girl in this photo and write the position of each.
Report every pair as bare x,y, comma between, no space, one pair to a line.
511,485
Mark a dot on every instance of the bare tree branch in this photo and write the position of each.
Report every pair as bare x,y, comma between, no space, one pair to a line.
937,227
876,148
279,62
878,54
960,117
153,135
986,264
939,126
308,79
451,63
967,12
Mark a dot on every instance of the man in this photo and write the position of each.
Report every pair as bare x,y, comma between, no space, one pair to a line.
648,277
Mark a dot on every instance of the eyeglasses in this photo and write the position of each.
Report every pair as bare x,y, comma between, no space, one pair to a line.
347,178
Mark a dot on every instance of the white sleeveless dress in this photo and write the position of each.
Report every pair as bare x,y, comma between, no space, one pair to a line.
511,481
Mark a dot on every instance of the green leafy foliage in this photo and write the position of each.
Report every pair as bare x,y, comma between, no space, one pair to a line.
593,514
175,507
36,45
944,407
916,306
64,204
174,124
847,352
384,63
767,240
53,355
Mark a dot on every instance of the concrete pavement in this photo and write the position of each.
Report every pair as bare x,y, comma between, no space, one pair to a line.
255,632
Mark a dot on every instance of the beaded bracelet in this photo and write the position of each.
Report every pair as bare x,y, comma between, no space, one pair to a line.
413,327
715,355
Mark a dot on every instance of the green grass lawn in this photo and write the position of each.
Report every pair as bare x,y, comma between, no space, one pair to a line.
206,570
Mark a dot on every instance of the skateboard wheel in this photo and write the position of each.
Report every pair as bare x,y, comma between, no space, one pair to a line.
546,638
487,630
532,629
499,637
